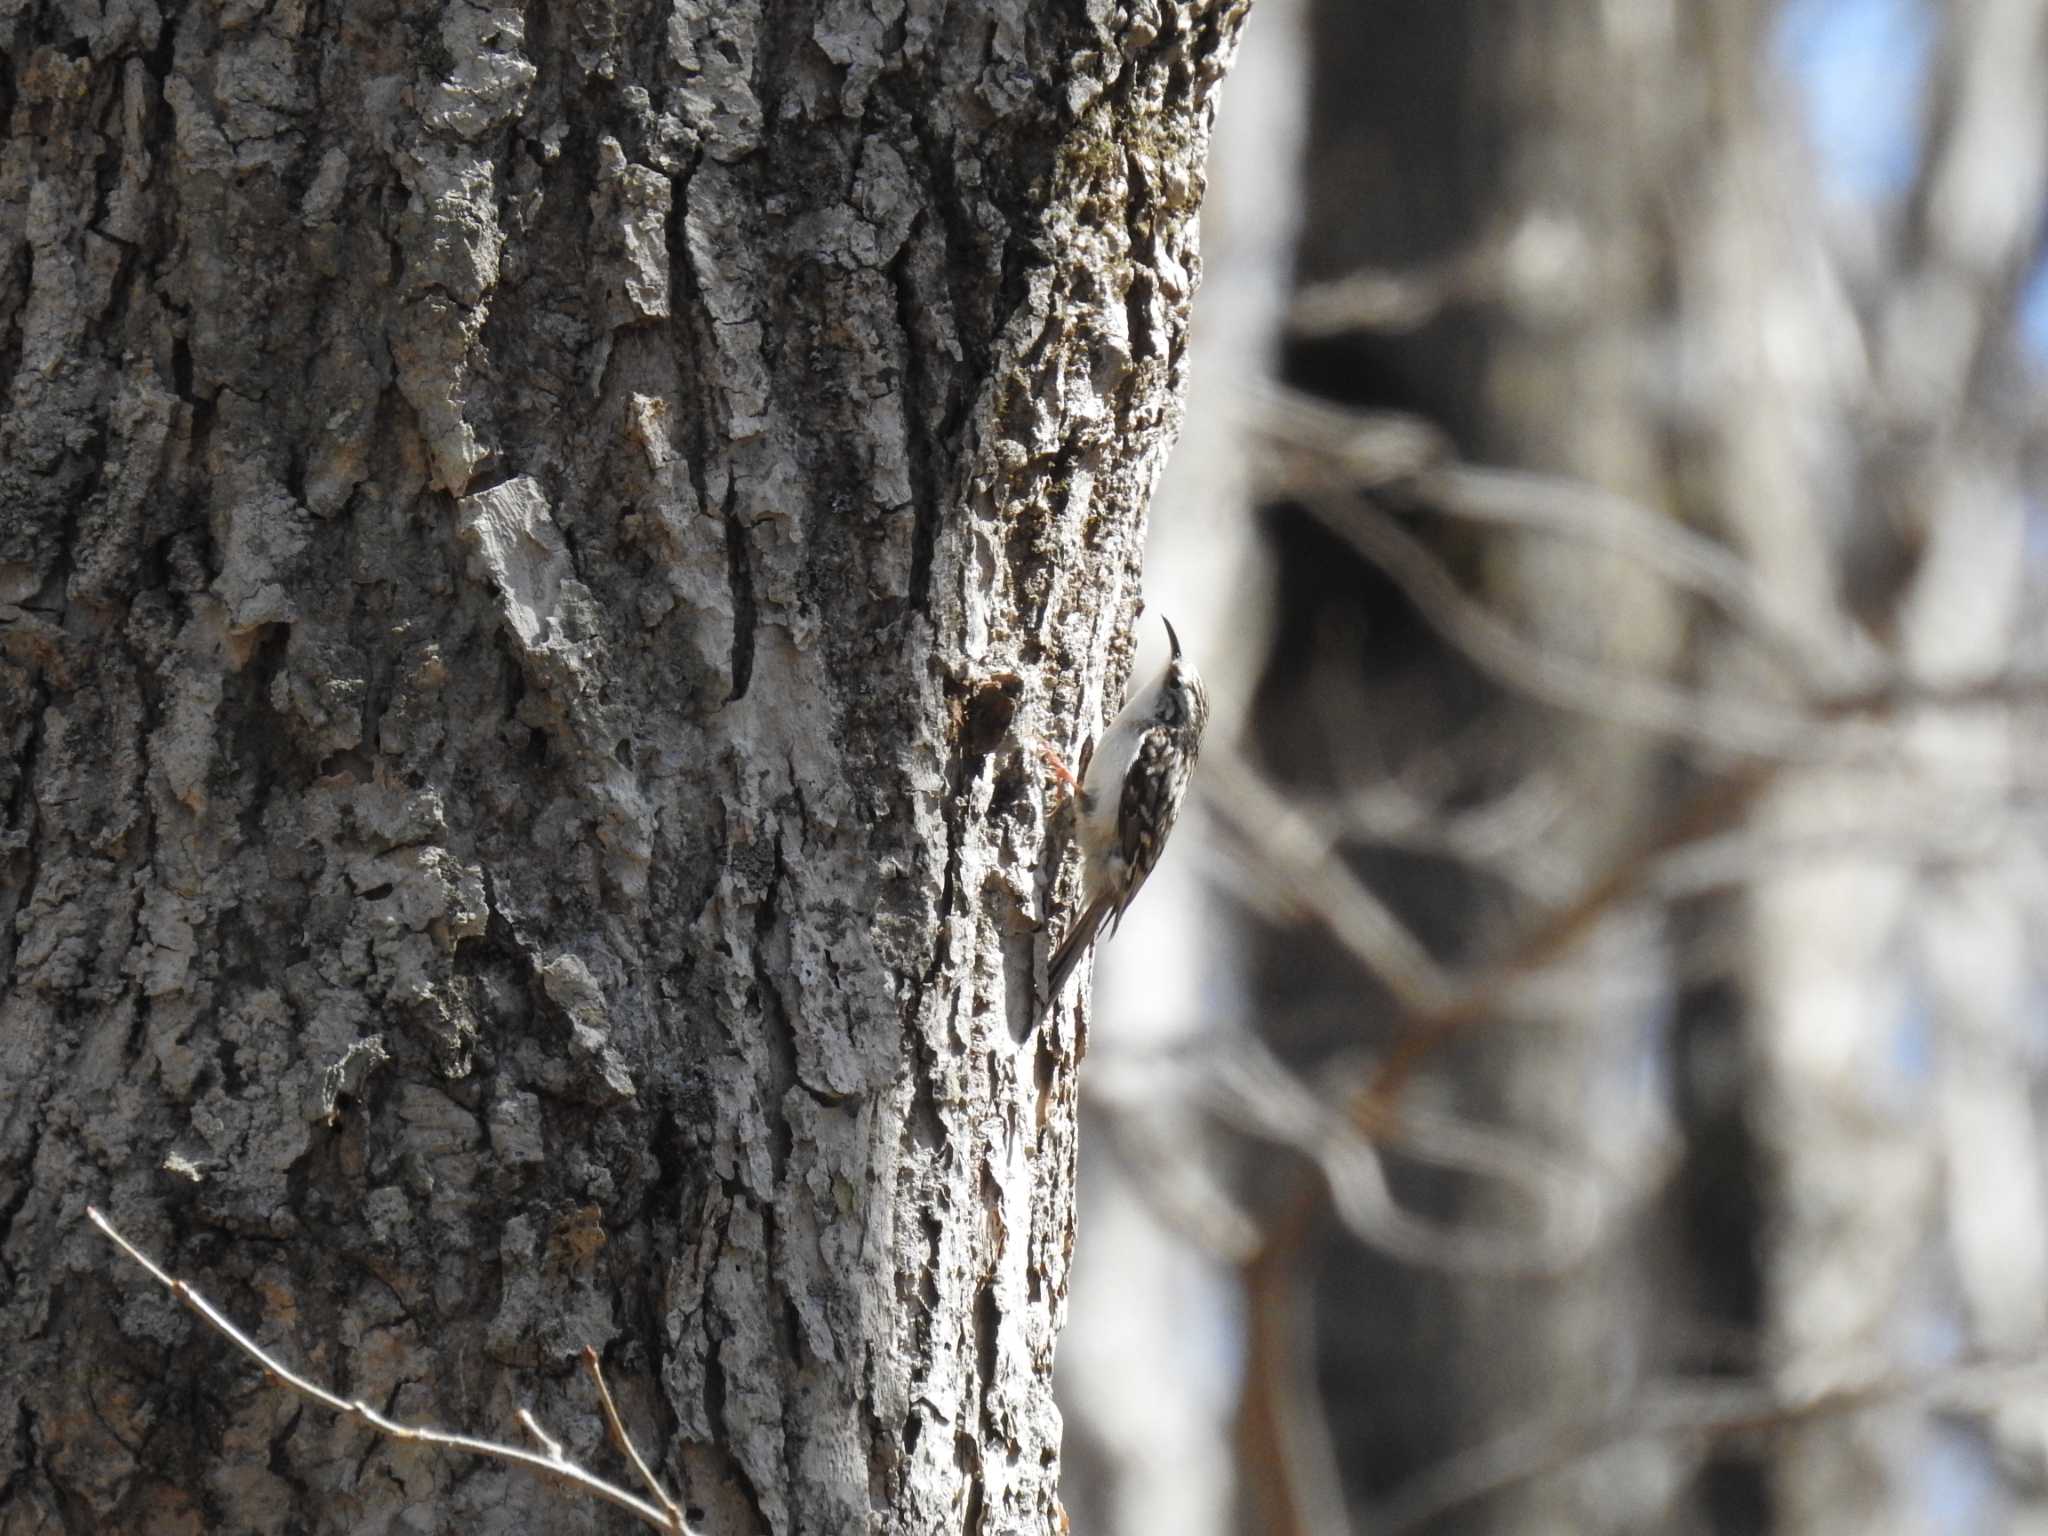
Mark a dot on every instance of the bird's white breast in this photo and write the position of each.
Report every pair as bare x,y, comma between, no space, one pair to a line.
1102,785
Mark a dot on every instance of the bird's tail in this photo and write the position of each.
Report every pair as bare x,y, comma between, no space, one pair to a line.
1073,947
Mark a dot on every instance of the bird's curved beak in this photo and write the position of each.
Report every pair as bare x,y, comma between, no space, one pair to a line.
1171,638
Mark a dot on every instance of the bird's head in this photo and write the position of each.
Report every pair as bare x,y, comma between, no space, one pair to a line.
1183,700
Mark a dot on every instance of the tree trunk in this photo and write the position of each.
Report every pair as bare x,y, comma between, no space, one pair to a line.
1509,161
536,546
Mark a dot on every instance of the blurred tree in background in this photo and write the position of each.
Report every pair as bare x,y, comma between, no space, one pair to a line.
1590,1080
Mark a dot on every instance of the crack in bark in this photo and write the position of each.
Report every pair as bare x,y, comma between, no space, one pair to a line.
740,573
777,1032
21,819
923,454
714,1410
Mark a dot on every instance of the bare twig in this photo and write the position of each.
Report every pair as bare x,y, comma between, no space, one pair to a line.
1567,682
1971,230
1567,508
1393,303
549,1464
1147,1131
1701,1411
623,1442
1712,809
1294,863
1353,445
1934,837
1273,1394
548,1442
1251,1089
1342,453
1233,1076
1501,838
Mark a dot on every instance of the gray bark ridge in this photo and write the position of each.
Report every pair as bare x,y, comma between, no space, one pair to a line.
532,543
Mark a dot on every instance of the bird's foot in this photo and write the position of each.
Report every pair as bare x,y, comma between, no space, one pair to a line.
1059,769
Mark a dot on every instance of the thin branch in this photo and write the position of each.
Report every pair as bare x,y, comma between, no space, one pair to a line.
1502,838
623,1442
1271,1392
1570,1210
1842,672
550,1464
548,1442
1394,303
1916,837
1712,809
1161,1162
1284,1446
1566,682
1567,508
1698,824
1705,1412
1971,231
1233,1077
1296,869
1369,450
1366,449
1252,1090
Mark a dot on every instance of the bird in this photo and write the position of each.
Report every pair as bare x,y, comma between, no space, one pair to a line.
1127,800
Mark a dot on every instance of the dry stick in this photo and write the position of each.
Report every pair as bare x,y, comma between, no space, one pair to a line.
624,1442
547,1441
1566,508
1293,862
1262,1438
1713,808
1267,1442
1361,452
668,1518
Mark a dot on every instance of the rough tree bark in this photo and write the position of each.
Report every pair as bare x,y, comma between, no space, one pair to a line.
514,524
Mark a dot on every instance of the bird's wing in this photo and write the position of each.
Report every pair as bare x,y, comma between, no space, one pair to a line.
1146,814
